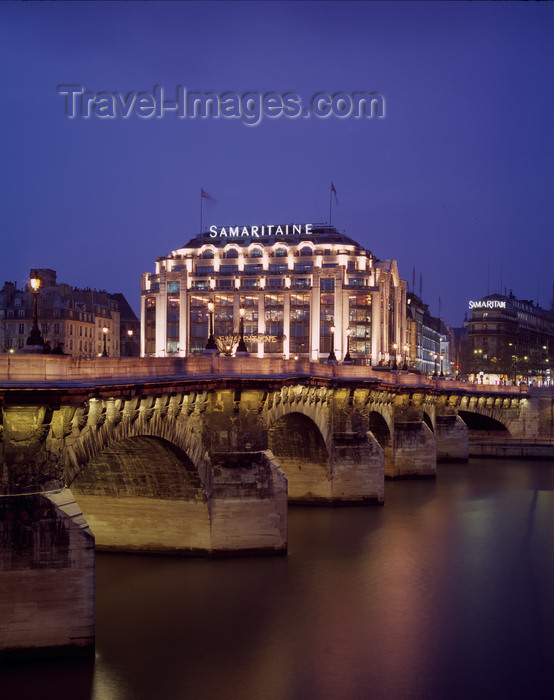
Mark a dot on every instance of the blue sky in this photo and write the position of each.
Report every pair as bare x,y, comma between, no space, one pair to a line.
455,181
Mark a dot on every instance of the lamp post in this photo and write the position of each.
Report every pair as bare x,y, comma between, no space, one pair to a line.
405,365
35,338
130,334
105,332
394,364
436,358
347,359
442,358
241,347
332,359
211,345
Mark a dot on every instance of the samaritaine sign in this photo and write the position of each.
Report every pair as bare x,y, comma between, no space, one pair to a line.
260,231
488,304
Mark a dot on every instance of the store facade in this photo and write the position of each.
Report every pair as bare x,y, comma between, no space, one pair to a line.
305,290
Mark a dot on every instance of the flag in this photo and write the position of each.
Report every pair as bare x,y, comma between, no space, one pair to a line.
205,195
334,191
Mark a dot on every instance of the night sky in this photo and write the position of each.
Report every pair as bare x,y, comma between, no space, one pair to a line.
456,180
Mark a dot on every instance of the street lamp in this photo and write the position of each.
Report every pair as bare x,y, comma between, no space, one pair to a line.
105,332
405,365
241,348
35,338
347,359
394,364
130,334
211,345
442,358
436,358
332,359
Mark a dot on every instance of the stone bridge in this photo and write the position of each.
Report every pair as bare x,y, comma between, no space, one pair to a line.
201,455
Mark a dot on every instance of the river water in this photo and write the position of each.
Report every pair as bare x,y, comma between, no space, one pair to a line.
445,593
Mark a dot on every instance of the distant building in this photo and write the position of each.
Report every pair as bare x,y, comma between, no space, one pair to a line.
295,283
71,320
509,339
428,339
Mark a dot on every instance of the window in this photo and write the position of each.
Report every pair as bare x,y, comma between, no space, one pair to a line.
299,323
174,287
198,322
281,253
150,325
256,253
274,314
306,250
173,308
202,270
232,253
228,269
21,328
326,314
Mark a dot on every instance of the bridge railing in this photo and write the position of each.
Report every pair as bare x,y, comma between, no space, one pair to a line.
39,369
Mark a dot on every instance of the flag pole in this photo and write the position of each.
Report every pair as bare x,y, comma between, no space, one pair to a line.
201,205
330,204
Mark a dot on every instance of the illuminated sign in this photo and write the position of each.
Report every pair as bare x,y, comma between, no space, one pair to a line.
260,231
489,304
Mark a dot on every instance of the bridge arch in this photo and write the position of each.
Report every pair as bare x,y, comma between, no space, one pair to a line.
428,421
101,424
143,493
301,451
381,431
479,422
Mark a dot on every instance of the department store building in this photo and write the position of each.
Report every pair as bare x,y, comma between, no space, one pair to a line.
302,287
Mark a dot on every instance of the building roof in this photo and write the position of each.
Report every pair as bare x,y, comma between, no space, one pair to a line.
321,234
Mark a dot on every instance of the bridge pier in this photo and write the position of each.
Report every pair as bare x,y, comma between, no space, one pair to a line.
358,467
248,504
411,447
413,451
46,577
452,437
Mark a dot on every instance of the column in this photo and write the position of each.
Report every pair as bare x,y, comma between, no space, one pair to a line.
314,319
142,324
261,322
286,326
161,320
337,313
375,327
183,318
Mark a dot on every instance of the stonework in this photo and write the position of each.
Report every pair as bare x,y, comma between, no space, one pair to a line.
201,457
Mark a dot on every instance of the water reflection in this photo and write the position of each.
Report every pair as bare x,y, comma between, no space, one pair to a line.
445,592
